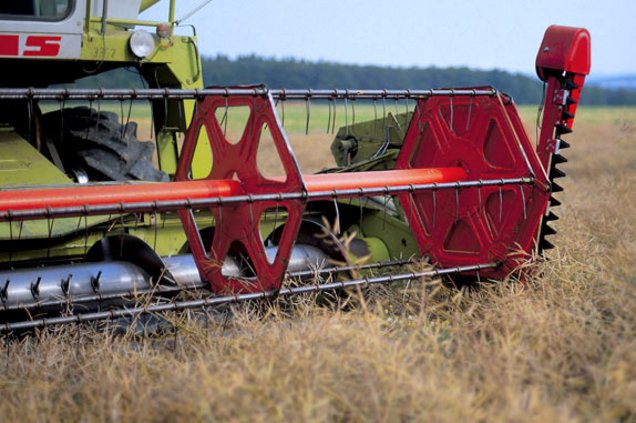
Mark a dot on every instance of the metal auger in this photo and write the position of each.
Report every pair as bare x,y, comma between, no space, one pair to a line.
237,298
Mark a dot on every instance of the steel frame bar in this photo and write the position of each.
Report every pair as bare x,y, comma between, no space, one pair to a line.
185,94
166,290
237,298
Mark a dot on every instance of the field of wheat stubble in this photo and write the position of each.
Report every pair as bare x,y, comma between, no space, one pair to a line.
561,347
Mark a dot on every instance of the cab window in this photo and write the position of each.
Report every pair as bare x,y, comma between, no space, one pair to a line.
38,9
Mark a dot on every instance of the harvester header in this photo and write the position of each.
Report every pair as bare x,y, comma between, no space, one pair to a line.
467,189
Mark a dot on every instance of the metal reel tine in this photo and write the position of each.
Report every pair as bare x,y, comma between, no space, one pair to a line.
121,241
250,202
470,109
336,225
165,106
282,106
523,200
282,99
452,127
90,113
10,223
121,109
137,220
434,202
406,101
353,113
479,195
384,209
276,214
62,121
85,215
30,117
457,203
420,126
225,113
253,128
155,228
411,204
197,98
539,114
414,212
50,221
130,107
361,208
346,109
329,101
308,110
219,225
384,113
189,222
500,201
99,111
335,112
152,120
375,115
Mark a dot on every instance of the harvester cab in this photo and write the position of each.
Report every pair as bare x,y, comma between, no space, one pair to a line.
52,42
88,220
57,43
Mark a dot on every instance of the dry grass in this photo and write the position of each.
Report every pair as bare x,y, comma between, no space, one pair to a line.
560,348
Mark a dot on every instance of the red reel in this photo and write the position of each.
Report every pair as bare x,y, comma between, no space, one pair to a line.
237,225
484,136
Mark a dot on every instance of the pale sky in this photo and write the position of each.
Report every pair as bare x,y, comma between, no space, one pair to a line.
482,34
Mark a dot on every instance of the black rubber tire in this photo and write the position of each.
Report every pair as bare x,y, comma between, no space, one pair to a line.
99,144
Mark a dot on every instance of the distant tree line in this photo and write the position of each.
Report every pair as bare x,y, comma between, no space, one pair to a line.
293,73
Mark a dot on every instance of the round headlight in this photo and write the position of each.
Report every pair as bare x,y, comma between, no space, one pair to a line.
142,43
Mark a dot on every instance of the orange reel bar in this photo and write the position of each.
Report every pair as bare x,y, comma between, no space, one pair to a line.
86,198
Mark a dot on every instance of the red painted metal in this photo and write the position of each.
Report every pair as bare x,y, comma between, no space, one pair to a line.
95,195
449,139
241,234
379,179
9,45
237,226
563,61
564,49
485,137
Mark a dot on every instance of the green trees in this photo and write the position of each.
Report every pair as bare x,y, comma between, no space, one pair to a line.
294,73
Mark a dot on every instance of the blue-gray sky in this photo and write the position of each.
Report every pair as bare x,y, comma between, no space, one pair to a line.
481,34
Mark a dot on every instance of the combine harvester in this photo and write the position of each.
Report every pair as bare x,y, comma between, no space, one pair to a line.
90,227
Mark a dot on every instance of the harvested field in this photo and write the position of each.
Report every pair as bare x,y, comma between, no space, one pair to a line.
561,347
